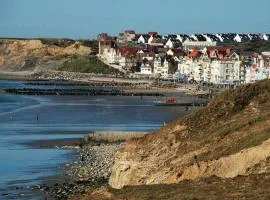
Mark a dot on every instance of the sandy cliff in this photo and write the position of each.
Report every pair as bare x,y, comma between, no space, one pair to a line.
228,138
17,55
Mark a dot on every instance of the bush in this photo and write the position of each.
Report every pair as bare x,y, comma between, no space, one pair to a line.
84,64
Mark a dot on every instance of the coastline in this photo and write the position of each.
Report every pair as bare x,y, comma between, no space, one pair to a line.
15,76
135,86
91,168
75,181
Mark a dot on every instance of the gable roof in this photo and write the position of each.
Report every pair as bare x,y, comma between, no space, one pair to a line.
127,51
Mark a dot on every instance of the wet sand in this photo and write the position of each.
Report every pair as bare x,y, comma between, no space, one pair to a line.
56,143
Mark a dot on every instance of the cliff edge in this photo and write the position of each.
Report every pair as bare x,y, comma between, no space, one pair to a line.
228,138
33,54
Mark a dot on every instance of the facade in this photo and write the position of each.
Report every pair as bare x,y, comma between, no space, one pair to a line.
197,56
146,69
212,66
161,68
187,44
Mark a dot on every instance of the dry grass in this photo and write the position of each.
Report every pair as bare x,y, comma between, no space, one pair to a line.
114,136
241,187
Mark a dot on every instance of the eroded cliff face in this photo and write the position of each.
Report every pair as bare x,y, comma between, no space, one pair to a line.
17,55
228,138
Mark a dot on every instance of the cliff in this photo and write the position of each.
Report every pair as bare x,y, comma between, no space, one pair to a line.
228,138
29,55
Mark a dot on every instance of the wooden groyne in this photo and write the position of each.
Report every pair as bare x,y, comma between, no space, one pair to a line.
78,92
90,84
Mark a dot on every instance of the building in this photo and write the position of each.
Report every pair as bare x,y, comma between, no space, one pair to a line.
105,42
146,69
161,67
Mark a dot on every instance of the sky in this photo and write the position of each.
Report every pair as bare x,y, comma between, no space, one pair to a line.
86,18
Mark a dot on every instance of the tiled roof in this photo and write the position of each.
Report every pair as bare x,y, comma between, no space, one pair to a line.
127,51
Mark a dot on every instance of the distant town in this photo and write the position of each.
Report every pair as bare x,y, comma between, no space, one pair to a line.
200,58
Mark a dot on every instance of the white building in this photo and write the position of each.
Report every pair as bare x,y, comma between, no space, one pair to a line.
187,44
141,40
160,68
169,44
186,67
224,71
146,69
257,70
109,55
237,38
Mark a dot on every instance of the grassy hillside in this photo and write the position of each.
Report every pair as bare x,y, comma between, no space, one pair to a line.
85,64
219,152
226,139
232,111
211,188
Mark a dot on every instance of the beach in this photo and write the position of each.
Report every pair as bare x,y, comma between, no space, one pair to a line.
35,131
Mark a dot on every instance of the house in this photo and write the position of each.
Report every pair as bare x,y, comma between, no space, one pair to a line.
265,37
143,39
255,37
189,44
237,38
146,69
155,41
266,63
126,57
170,52
169,44
186,67
110,56
130,35
213,65
161,67
105,42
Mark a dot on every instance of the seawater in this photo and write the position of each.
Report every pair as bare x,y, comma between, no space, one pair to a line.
30,118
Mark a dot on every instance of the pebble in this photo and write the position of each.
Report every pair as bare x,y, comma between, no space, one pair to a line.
84,175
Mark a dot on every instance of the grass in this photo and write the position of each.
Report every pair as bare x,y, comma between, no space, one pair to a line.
241,187
234,120
57,42
115,136
84,64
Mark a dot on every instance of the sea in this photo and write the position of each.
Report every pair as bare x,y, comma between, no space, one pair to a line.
26,119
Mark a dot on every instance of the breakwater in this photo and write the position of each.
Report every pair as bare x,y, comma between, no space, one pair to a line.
78,92
89,84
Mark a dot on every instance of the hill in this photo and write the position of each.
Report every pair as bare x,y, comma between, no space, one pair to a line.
221,151
33,55
28,55
229,137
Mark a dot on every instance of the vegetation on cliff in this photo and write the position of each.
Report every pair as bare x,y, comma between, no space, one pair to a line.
86,64
65,42
30,54
219,152
228,138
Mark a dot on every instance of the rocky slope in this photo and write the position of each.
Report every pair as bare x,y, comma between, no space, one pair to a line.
29,55
228,138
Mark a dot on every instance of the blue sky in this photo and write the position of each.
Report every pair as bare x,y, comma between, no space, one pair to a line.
87,18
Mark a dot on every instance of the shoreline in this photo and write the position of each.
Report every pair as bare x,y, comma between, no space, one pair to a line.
90,169
135,85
